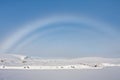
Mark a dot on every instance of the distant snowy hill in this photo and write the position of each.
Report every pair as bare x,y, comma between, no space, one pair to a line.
13,61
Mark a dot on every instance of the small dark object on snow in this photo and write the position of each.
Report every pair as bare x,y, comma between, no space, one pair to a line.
72,66
95,65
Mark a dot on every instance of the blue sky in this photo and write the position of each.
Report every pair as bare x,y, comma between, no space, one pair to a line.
62,39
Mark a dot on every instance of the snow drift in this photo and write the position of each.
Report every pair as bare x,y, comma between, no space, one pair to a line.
13,61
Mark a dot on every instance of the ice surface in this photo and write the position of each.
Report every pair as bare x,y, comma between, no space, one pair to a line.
111,73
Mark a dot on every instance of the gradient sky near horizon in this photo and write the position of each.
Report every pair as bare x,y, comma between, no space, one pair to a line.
62,39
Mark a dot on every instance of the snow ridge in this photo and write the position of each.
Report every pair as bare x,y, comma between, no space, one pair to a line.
13,61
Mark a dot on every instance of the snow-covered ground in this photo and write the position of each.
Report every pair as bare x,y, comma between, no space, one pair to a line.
111,73
18,67
12,61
